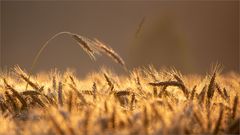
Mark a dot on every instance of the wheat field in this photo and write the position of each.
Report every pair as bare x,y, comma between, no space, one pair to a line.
145,101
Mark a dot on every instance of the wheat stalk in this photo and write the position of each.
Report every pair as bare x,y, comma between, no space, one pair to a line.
37,100
139,27
11,100
30,92
81,97
24,76
113,118
15,93
56,125
60,94
133,100
85,45
218,123
199,120
108,80
145,120
122,93
3,106
159,116
94,87
220,91
106,107
202,95
70,101
225,93
172,83
110,52
235,105
73,81
91,47
54,83
193,92
211,89
87,92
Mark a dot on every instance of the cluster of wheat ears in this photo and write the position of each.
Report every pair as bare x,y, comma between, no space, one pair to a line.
146,101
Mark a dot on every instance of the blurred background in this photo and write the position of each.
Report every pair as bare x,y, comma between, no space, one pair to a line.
189,35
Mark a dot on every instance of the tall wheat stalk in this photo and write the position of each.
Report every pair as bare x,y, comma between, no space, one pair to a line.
91,47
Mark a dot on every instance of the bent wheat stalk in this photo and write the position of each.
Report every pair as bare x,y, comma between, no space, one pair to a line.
91,47
171,83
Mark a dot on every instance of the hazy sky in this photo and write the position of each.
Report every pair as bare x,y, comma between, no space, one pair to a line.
188,35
